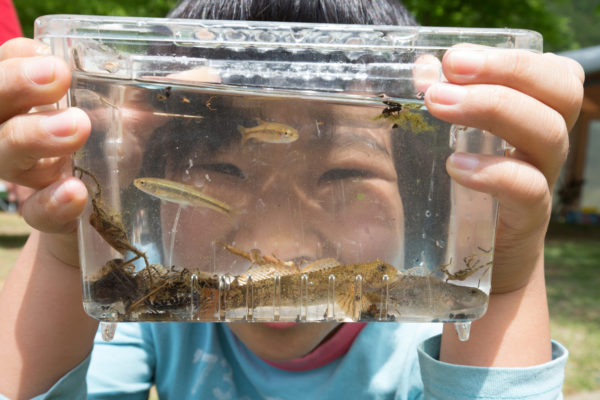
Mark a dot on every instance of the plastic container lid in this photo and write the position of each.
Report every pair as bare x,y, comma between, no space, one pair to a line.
331,58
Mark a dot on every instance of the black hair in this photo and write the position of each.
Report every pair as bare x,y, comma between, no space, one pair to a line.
366,12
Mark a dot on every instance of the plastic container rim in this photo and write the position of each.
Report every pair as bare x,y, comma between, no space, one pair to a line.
70,21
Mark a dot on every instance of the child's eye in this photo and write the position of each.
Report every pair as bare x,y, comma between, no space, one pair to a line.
223,168
343,173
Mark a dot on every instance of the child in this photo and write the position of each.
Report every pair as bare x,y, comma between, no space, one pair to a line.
530,100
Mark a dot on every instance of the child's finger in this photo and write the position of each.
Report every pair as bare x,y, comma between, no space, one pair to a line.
55,209
569,64
29,145
525,203
552,80
23,47
521,189
537,130
31,81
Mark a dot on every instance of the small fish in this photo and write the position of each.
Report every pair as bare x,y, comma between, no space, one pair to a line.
174,115
269,132
180,193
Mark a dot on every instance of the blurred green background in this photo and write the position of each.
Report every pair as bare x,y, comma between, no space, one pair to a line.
565,24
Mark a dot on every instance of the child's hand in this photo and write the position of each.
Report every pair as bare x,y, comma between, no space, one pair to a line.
532,101
35,147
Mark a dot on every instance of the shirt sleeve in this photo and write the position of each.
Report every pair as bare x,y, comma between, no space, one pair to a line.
121,369
449,381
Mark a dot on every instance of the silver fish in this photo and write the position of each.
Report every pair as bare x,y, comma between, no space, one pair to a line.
182,194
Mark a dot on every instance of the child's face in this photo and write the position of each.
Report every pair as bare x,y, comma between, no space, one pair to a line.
332,192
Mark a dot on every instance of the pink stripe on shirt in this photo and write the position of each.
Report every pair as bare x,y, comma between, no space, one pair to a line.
328,351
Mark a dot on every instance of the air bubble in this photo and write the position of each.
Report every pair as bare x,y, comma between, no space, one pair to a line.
507,146
276,297
107,329
463,330
193,285
331,298
455,131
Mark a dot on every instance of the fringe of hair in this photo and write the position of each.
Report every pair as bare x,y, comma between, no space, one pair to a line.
367,12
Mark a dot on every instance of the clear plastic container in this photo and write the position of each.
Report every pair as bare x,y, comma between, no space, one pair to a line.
274,171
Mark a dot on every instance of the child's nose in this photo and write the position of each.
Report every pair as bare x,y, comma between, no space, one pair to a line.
280,223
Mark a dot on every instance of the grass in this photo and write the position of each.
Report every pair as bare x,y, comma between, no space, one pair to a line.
12,224
13,234
573,282
573,279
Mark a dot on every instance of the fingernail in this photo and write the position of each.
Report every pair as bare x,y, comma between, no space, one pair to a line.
61,195
40,70
464,161
60,125
465,62
447,94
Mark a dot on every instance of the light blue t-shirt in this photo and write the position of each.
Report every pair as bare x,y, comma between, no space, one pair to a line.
206,361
